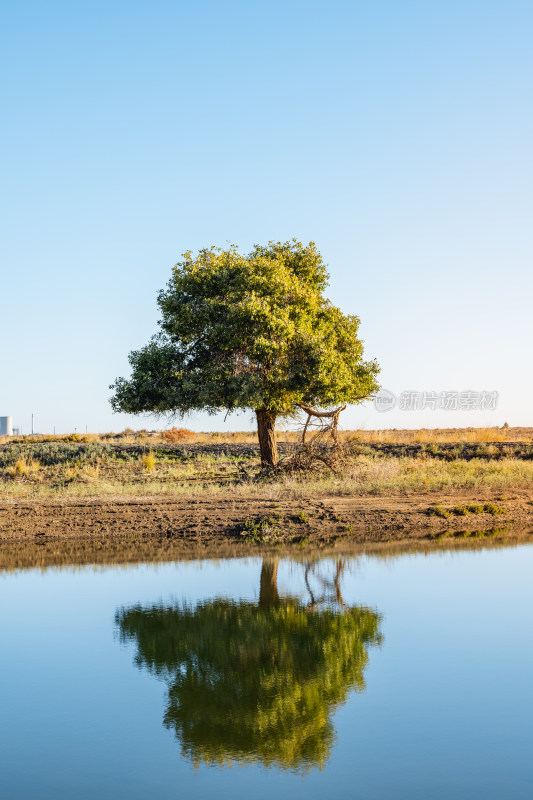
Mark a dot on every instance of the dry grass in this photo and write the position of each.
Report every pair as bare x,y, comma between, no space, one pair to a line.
24,468
414,476
442,436
220,475
149,461
175,435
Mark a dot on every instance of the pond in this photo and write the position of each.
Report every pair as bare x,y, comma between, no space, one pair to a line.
405,676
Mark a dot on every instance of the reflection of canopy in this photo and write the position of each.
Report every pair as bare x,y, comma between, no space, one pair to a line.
253,682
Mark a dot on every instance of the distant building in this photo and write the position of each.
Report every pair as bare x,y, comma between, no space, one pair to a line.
6,426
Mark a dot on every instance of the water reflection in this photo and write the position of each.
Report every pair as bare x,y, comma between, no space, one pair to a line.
257,682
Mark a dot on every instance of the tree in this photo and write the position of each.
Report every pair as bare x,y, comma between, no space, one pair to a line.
249,331
254,682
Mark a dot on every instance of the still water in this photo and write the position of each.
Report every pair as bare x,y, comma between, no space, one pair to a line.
366,677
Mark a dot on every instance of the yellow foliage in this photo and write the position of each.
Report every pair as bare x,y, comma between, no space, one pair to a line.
24,467
149,461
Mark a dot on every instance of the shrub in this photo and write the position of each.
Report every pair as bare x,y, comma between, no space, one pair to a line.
491,508
438,511
301,517
149,461
174,435
263,530
461,511
24,467
71,473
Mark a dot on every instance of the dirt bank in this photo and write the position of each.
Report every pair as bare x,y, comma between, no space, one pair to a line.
207,524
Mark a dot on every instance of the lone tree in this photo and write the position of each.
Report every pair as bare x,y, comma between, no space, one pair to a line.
248,331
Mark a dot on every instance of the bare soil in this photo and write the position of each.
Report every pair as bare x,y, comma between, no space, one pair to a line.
162,529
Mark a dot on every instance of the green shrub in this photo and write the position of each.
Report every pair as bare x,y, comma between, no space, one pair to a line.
437,511
262,530
491,508
301,517
461,511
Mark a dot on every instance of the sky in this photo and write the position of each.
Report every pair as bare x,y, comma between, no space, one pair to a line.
396,136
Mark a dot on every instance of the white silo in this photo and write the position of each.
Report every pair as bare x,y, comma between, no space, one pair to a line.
6,426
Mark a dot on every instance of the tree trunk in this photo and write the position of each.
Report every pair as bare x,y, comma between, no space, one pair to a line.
266,429
268,592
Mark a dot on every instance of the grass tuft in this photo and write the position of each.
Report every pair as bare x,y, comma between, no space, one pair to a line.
300,517
24,467
461,511
149,461
491,508
438,511
263,530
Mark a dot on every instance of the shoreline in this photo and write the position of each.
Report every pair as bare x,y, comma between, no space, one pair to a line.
125,551
168,528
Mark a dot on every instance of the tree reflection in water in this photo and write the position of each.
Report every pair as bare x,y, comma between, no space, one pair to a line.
256,682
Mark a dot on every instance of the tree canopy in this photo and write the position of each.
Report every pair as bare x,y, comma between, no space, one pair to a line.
248,331
253,682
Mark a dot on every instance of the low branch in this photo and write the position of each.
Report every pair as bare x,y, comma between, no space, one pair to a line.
313,412
316,413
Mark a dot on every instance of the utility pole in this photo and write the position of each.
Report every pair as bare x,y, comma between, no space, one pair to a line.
32,424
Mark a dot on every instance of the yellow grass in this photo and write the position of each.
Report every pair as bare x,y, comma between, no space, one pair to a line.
24,467
149,461
419,436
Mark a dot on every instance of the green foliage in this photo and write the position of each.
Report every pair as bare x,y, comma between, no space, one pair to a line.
263,530
492,508
49,454
438,511
301,517
487,508
249,331
461,511
253,683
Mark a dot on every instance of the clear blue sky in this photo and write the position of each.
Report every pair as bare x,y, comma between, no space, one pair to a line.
396,135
